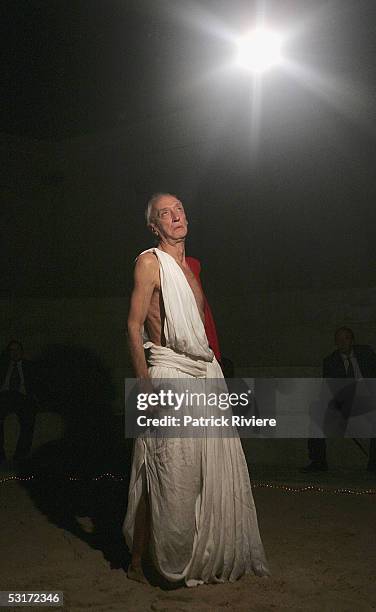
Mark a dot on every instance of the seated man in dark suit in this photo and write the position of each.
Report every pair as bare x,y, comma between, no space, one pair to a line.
351,361
17,395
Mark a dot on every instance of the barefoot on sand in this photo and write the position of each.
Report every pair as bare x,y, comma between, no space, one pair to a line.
136,574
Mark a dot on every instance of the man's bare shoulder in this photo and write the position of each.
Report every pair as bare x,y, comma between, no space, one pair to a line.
147,260
147,266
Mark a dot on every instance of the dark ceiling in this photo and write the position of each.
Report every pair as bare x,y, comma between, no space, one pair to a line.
143,79
75,66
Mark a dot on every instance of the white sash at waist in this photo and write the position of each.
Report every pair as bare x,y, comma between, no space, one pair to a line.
165,357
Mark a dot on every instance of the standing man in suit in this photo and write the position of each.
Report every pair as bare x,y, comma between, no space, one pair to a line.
352,361
17,395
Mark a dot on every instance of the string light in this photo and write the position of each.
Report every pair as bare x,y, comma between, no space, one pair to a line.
255,484
313,488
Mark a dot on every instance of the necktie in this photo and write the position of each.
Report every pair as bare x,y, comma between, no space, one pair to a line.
15,379
350,369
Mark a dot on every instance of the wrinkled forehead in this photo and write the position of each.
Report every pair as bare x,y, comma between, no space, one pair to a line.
166,201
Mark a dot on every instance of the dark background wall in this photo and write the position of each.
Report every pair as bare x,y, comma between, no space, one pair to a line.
107,102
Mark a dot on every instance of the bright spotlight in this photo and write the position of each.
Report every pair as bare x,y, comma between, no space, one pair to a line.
259,50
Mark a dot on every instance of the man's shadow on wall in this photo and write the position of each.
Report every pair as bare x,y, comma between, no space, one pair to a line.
65,487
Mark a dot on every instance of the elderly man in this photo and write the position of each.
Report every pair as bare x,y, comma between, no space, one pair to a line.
190,500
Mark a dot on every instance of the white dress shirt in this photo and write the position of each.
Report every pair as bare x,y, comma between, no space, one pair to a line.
354,361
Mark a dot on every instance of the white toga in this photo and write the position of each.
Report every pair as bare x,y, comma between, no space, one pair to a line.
203,517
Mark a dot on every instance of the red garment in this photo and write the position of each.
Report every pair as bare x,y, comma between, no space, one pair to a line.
210,329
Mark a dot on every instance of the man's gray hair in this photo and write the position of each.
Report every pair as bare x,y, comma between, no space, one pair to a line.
149,213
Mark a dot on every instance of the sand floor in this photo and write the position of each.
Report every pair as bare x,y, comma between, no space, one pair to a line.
64,535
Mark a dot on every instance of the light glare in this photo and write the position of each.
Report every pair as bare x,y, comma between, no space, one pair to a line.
259,50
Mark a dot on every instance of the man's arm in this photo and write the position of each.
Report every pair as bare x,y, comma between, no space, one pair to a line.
32,379
371,362
145,280
326,368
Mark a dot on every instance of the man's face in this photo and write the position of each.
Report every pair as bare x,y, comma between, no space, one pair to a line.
15,351
169,218
344,341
